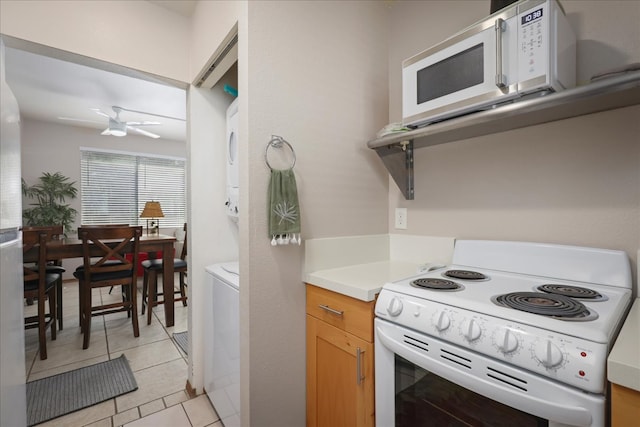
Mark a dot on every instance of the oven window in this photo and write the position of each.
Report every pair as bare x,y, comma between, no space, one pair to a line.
460,71
425,399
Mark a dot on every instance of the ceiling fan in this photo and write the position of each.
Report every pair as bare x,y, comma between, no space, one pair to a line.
118,127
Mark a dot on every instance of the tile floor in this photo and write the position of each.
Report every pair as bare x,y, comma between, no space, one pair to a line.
159,366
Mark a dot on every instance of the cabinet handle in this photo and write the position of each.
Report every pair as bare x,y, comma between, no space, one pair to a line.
331,310
359,376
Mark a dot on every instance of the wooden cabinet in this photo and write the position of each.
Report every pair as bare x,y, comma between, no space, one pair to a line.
625,406
340,360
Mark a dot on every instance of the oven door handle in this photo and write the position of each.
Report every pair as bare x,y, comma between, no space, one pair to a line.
546,409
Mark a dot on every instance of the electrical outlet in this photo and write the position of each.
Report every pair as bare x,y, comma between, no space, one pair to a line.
401,218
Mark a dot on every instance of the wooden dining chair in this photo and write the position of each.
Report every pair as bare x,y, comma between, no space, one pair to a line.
153,268
54,232
105,225
105,265
40,285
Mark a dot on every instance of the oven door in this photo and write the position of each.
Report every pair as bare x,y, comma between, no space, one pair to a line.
472,70
421,381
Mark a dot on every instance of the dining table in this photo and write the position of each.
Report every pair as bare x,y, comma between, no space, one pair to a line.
72,248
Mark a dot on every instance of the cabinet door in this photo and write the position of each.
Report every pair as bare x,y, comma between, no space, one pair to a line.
336,397
625,406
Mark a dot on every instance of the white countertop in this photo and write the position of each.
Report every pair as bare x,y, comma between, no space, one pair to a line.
358,266
623,364
361,281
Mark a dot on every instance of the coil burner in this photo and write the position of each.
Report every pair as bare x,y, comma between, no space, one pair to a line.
465,275
436,284
544,304
572,292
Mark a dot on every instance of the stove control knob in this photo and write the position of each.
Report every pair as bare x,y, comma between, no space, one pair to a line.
548,354
506,340
443,321
394,307
471,330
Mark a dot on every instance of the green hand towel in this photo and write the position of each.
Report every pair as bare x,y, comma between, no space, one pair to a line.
284,211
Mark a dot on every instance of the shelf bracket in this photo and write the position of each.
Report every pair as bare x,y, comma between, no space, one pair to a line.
398,159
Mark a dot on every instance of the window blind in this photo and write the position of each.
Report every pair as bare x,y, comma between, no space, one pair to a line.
115,186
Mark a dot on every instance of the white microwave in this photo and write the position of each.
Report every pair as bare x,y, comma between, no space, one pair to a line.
527,47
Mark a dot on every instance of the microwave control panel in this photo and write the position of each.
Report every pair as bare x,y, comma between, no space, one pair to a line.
534,44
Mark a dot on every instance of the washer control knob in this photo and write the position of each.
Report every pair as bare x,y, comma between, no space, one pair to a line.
506,340
548,354
443,321
394,307
471,330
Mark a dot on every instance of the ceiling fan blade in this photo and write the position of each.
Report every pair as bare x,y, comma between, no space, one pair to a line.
100,112
145,123
106,132
144,132
72,119
118,109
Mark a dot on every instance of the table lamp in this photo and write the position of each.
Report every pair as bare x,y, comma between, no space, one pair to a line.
152,210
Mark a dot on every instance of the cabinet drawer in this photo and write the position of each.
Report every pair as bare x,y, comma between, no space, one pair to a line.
346,313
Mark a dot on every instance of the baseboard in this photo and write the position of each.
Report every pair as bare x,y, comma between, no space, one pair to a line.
190,390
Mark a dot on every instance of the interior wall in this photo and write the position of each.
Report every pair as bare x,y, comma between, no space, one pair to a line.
574,181
315,76
216,239
210,23
135,34
52,147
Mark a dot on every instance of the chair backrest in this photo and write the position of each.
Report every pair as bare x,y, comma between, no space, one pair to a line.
104,225
183,254
108,244
37,237
54,232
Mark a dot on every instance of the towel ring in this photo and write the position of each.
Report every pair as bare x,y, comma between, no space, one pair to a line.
276,142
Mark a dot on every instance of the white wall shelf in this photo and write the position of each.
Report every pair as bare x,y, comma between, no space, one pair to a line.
396,150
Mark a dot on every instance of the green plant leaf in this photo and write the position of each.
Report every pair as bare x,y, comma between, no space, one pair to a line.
49,195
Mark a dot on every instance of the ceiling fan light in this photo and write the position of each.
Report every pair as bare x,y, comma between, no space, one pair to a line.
117,128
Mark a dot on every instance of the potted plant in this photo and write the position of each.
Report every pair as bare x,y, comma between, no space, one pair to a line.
49,195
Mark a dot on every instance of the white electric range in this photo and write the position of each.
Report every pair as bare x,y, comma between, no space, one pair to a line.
526,326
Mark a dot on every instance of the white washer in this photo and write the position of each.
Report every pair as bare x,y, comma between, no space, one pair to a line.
222,342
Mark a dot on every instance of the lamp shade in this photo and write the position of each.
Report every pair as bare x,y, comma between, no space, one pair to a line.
152,210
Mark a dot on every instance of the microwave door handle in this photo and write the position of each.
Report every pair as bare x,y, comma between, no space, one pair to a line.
500,26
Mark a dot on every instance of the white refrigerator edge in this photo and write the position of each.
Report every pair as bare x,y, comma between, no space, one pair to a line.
13,406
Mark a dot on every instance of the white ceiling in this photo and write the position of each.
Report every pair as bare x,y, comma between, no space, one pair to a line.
48,89
183,7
